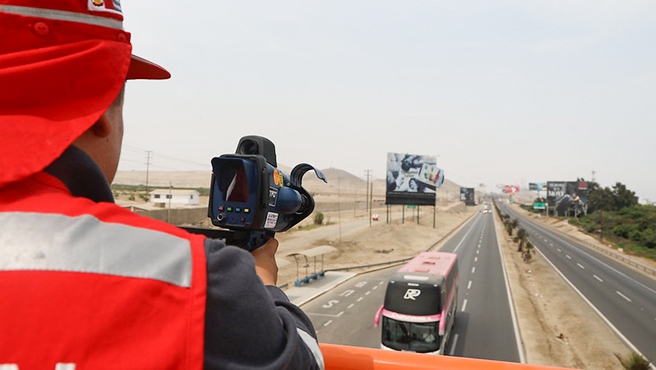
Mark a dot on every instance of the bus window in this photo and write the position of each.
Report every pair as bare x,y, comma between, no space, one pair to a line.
409,336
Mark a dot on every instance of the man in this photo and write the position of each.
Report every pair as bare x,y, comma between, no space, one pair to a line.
85,284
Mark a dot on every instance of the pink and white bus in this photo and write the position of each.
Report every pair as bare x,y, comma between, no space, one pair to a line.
420,304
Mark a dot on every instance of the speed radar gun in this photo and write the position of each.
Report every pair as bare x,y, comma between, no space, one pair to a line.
254,199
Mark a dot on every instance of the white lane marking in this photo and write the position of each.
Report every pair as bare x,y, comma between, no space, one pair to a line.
347,293
469,285
475,259
465,237
558,249
381,283
359,299
598,278
473,269
453,346
328,322
368,292
551,244
464,305
375,287
479,245
513,314
623,296
477,252
340,314
580,265
323,314
351,305
567,255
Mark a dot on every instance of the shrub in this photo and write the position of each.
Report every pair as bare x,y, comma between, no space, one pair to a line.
633,362
318,218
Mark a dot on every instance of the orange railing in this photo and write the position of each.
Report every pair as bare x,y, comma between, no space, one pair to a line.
339,357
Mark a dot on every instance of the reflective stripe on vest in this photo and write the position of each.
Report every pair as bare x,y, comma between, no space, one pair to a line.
54,242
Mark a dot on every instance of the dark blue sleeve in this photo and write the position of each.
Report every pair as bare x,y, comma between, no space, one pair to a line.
249,325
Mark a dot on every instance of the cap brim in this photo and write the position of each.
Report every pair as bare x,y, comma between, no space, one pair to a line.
142,69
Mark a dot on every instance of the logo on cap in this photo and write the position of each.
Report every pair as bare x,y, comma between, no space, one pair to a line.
110,6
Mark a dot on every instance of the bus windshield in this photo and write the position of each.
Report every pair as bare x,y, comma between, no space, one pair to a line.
411,336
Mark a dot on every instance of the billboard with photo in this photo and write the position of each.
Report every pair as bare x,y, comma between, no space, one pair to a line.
467,196
568,197
412,179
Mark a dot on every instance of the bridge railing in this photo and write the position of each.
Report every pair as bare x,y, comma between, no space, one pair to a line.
338,357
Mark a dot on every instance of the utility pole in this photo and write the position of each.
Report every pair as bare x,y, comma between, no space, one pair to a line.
149,155
367,173
339,208
371,193
168,213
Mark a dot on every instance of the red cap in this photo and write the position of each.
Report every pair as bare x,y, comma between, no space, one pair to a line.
62,64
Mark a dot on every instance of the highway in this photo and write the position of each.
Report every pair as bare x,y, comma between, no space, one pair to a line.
625,298
484,325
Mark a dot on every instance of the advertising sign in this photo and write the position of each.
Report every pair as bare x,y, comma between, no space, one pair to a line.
412,179
467,196
568,197
510,189
539,186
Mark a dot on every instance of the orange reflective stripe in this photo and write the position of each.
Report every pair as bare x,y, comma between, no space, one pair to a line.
356,358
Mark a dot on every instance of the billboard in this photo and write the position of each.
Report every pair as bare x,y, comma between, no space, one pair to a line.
539,186
467,196
568,196
511,189
412,179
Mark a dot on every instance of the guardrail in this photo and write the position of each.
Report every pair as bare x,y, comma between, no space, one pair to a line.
618,256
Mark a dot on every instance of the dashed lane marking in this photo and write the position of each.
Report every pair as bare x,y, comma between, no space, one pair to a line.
623,296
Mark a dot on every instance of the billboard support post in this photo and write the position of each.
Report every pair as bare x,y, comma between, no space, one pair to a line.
434,214
403,215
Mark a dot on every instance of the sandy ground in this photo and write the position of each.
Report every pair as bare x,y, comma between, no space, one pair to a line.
558,328
364,244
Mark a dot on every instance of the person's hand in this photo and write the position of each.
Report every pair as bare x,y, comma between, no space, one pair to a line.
265,262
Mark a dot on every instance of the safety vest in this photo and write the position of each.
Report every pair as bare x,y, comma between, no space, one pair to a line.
87,285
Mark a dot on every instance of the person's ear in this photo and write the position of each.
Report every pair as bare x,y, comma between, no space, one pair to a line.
103,127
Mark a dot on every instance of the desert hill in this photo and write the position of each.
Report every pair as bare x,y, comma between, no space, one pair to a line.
339,182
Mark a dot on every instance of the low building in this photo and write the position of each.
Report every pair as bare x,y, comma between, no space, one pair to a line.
164,197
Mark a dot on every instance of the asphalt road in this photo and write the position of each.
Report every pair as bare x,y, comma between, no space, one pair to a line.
484,322
624,298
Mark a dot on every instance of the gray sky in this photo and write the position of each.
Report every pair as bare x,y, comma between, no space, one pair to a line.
502,92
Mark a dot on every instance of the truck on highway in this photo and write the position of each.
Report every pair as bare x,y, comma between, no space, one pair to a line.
420,304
